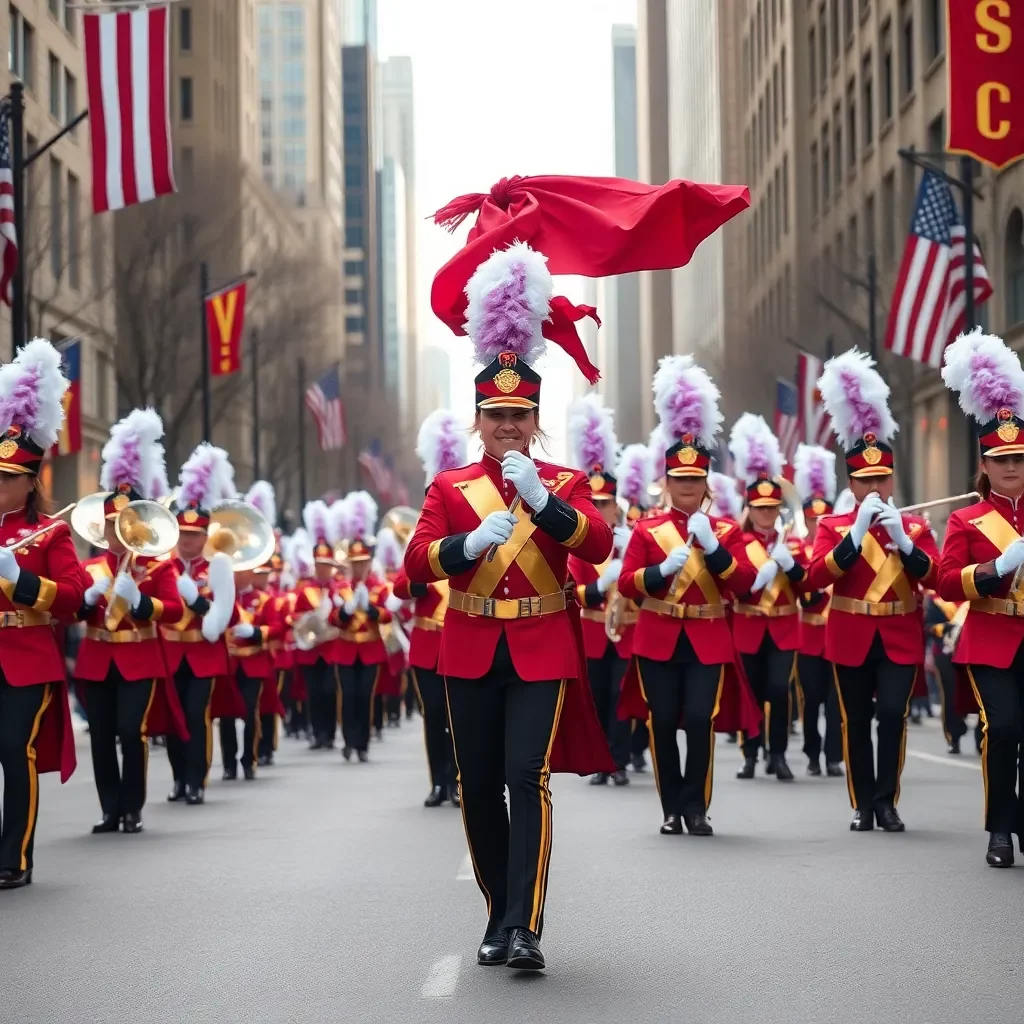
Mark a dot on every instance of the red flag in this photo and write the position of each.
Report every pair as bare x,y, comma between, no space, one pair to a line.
225,317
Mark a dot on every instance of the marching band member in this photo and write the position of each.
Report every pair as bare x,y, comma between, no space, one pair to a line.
875,560
40,582
982,554
766,623
127,691
942,623
385,566
193,644
681,565
296,572
360,611
511,652
592,446
441,446
814,476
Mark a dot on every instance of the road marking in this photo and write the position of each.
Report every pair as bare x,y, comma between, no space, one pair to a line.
947,761
465,870
442,979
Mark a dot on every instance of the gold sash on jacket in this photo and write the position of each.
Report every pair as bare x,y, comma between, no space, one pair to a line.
694,570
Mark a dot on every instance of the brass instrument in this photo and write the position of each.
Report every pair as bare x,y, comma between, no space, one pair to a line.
341,552
238,530
311,628
952,633
402,519
791,513
615,603
21,542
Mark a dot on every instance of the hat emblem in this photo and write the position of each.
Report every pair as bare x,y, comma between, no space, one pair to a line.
1008,432
120,502
765,488
597,477
506,380
818,506
872,456
190,515
8,448
507,359
687,456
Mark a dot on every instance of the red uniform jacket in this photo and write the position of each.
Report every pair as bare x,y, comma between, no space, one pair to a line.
51,584
975,537
360,633
875,575
253,656
308,595
532,564
813,612
183,638
283,651
595,605
778,608
431,603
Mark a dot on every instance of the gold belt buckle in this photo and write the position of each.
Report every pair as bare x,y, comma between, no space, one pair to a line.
526,607
489,608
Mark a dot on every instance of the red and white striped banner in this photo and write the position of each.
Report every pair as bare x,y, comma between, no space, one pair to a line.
126,72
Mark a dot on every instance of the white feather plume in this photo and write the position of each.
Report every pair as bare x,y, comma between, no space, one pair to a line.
133,454
337,522
591,434
634,473
846,502
31,393
207,477
986,373
814,472
755,449
300,553
262,498
726,499
441,443
388,550
857,398
316,517
361,516
686,401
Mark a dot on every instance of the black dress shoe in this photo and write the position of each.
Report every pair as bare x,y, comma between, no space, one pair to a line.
814,767
834,769
493,951
747,771
888,819
620,778
599,779
248,772
363,756
195,795
780,769
132,824
954,746
11,879
732,738
769,764
524,951
437,796
698,825
673,825
346,752
380,734
108,823
177,793
264,760
230,773
863,821
639,763
456,796
1000,850
316,745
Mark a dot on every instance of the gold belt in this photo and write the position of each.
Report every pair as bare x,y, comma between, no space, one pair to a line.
813,619
683,611
358,638
188,636
122,636
513,608
874,609
998,606
430,625
246,652
15,620
776,611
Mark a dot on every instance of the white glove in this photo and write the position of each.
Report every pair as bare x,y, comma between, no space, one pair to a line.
780,554
610,575
870,507
211,628
701,530
97,590
765,575
188,590
243,631
495,529
622,535
891,519
521,472
9,568
362,596
393,604
347,604
676,560
1011,559
127,589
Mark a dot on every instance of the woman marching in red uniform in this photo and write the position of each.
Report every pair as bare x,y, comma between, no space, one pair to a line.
682,564
41,582
982,554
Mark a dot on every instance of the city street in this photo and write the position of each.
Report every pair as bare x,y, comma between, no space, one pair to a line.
325,892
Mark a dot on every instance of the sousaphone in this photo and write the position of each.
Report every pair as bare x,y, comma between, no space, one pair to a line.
238,530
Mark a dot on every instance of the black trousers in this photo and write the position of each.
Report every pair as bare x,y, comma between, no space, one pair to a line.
1000,692
606,675
229,752
953,724
682,687
889,685
117,709
21,711
357,699
322,692
503,729
409,696
268,723
190,759
378,712
815,675
640,737
437,737
769,673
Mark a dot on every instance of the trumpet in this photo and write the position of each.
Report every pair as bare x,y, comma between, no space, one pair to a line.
239,531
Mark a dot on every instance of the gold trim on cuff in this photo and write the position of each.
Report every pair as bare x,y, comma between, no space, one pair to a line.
726,573
47,592
580,533
967,582
581,592
434,558
833,566
158,610
638,582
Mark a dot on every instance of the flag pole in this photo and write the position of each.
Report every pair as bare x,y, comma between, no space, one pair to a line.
254,350
17,101
204,341
300,430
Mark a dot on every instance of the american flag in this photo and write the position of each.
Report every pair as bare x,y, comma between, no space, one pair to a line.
787,422
815,423
927,310
323,397
376,467
8,235
126,78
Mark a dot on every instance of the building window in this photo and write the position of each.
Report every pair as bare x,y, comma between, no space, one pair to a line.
74,233
353,268
826,168
775,103
353,175
837,155
887,73
70,99
185,29
937,135
778,207
814,179
812,60
69,19
355,324
851,238
746,70
783,75
353,236
785,194
769,229
840,254
99,255
353,296
760,35
21,47
185,99
851,123
867,100
762,136
822,50
1013,260
934,28
906,48
834,26
889,219
746,154
55,86
187,164
54,7
56,220
869,224
848,20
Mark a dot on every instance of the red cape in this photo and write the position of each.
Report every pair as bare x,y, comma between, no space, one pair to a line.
389,682
270,699
297,688
55,742
226,701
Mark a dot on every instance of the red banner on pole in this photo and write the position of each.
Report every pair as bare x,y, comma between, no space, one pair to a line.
986,89
225,317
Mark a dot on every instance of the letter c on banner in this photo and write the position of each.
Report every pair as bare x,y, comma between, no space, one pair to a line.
988,95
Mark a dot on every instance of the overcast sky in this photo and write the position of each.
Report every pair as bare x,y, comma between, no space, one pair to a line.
501,89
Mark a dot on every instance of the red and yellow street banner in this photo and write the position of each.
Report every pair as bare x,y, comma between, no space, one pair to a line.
986,85
225,317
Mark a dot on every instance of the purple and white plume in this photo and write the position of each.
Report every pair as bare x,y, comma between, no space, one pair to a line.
686,401
726,500
509,299
31,392
316,517
262,498
591,430
361,516
986,373
297,551
206,478
441,443
755,449
846,502
634,473
814,472
337,522
134,456
388,550
857,398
